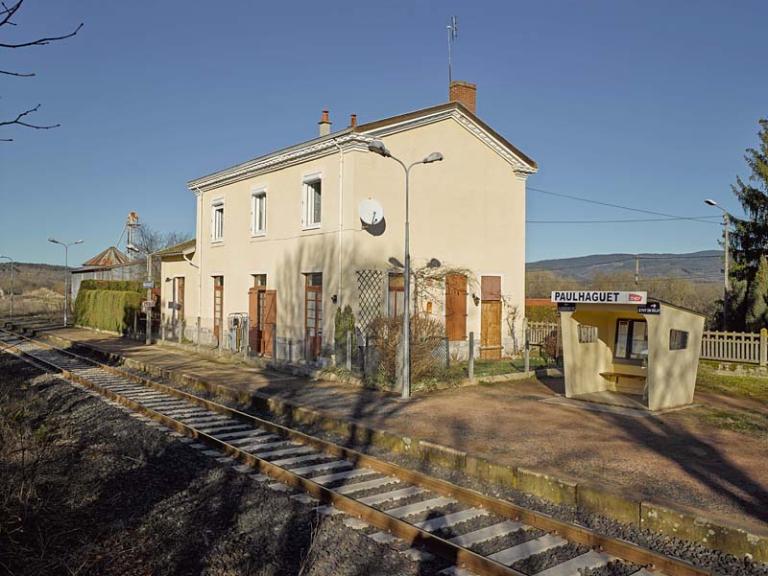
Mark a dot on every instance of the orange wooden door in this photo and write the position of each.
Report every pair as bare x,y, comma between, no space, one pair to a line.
490,330
456,307
490,318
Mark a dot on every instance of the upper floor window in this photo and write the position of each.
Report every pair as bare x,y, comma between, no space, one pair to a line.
313,195
217,221
259,212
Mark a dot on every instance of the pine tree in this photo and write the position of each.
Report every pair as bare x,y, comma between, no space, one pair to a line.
749,238
757,305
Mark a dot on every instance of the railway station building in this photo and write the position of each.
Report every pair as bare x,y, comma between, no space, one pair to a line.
280,239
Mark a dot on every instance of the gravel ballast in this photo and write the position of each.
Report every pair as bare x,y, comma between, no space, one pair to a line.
713,560
113,496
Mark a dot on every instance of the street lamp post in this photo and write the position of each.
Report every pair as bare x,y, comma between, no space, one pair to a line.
726,275
11,264
66,273
377,146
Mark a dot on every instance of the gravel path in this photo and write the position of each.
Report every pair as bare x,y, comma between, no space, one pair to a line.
113,496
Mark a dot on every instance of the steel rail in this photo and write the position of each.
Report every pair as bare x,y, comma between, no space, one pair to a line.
460,556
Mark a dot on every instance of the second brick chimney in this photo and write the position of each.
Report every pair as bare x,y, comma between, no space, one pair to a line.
465,93
324,124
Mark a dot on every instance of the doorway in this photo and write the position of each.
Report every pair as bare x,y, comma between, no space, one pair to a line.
456,307
490,317
313,314
218,308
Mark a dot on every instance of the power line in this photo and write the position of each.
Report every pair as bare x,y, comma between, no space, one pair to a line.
621,260
611,205
627,220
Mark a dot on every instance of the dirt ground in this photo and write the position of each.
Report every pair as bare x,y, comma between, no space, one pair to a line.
87,489
710,459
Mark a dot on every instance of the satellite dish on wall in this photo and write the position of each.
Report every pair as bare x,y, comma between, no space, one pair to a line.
371,212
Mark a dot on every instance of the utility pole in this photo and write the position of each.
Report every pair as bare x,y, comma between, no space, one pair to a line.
637,270
148,339
726,263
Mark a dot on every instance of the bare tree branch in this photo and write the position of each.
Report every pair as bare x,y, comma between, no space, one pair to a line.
7,12
19,120
42,41
19,74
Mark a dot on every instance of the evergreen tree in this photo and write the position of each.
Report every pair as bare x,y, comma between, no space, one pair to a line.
749,240
749,237
757,306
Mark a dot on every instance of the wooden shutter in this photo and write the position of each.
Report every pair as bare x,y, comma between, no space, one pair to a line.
456,307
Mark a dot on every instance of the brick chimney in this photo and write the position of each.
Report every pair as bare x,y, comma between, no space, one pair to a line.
324,124
352,120
465,93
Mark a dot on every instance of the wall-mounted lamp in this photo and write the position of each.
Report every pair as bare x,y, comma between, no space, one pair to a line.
334,298
476,299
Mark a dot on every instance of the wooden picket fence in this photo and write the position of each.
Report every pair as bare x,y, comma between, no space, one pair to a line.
745,347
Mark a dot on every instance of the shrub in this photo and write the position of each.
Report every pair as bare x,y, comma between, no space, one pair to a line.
107,305
427,334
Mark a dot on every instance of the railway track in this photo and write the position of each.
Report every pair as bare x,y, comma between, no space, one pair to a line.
475,533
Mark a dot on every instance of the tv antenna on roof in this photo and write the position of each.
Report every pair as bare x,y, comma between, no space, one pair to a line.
453,33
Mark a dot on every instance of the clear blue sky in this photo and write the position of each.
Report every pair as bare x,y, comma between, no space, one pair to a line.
646,103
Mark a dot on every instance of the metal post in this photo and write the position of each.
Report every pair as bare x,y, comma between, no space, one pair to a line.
407,295
471,363
726,277
197,343
148,339
348,359
66,283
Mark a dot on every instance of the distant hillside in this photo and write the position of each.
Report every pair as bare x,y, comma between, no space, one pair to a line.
30,276
699,266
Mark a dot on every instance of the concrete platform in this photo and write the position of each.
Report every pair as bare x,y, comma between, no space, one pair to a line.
676,458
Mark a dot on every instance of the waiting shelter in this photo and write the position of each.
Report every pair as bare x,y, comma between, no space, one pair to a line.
621,348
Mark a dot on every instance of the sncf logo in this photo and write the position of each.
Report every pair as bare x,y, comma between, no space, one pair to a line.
635,298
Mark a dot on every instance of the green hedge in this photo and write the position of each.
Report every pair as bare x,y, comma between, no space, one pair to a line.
117,285
107,305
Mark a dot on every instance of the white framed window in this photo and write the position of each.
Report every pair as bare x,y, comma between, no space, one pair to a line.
217,220
258,212
312,203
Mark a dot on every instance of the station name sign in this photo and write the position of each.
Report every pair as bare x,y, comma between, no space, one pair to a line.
598,297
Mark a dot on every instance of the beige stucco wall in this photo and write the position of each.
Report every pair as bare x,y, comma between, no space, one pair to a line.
671,374
176,267
468,211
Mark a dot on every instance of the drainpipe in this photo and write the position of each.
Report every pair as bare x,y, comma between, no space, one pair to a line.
341,221
199,248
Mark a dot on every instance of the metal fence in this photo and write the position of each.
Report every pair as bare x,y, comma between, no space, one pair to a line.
745,347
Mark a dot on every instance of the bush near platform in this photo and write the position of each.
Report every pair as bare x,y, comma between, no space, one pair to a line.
108,305
542,314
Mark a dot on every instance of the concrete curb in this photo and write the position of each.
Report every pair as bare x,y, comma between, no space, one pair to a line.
661,518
